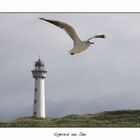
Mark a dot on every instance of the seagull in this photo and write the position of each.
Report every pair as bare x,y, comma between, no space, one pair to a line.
79,45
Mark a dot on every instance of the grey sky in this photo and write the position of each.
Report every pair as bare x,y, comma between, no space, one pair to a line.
104,77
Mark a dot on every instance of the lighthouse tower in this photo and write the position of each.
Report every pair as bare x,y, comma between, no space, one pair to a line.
39,74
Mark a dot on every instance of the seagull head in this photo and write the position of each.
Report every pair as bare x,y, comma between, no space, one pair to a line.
89,42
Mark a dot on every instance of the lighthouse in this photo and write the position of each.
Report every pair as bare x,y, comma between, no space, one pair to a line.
39,74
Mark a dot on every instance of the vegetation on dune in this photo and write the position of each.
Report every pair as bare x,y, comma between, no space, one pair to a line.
121,118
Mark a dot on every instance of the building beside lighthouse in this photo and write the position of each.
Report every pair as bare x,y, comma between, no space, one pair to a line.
39,74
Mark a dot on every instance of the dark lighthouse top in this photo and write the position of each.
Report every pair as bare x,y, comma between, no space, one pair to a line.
39,63
39,70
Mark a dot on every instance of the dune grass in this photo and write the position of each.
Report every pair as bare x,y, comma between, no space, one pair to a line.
120,118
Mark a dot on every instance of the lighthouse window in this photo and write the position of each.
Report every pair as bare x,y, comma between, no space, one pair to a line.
35,89
35,101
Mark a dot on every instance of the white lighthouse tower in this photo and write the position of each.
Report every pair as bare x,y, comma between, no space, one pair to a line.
39,74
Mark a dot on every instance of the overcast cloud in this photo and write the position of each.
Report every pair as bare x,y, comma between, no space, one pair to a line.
104,77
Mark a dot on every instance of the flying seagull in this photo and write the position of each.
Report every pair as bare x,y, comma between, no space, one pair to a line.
79,45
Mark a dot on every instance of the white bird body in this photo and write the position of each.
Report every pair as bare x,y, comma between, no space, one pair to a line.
79,48
79,45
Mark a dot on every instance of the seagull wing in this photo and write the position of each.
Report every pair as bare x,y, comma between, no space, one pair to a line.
98,36
68,28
